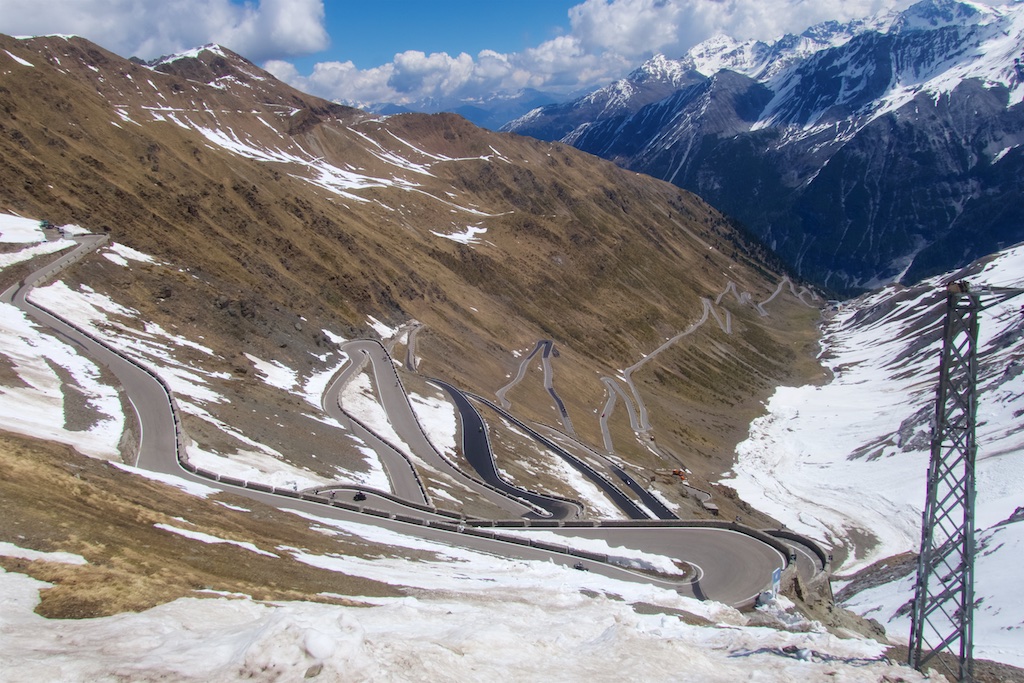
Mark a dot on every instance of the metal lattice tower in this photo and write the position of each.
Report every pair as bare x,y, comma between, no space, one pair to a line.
943,607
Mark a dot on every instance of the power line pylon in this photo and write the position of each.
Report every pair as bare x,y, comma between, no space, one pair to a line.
942,619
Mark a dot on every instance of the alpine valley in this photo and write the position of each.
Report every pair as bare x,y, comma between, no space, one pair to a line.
334,313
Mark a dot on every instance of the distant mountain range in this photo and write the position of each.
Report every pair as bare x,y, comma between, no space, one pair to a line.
879,150
491,112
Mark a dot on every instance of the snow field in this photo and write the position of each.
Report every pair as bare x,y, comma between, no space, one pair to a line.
849,459
406,639
505,620
35,406
470,614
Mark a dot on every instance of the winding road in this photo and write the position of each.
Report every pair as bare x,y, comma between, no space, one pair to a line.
638,420
733,563
477,449
548,347
403,420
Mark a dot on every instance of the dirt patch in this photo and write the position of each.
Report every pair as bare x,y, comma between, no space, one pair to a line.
682,615
9,376
79,413
859,544
815,601
884,571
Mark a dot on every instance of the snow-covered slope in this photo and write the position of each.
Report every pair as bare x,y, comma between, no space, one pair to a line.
467,614
846,462
653,81
479,618
935,45
932,48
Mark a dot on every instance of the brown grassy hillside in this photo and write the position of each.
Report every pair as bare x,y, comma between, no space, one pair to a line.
263,250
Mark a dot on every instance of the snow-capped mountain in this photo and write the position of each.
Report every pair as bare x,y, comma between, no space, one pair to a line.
653,81
878,150
249,233
761,60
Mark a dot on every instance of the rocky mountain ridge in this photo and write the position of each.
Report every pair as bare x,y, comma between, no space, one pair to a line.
881,150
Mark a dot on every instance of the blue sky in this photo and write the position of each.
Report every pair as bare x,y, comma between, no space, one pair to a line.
361,52
372,32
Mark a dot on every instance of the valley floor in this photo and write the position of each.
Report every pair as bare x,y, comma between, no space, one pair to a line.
845,463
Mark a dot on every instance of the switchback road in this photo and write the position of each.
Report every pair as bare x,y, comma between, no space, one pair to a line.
734,563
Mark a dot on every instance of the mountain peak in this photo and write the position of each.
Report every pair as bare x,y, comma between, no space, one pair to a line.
211,64
929,15
213,50
658,69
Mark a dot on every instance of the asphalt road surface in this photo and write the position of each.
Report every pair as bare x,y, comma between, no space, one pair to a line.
732,567
477,449
396,403
148,397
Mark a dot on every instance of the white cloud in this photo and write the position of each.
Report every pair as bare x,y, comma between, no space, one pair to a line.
565,63
636,28
607,39
340,81
261,30
631,27
438,72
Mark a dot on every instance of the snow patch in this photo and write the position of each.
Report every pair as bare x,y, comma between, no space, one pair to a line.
11,550
208,538
469,236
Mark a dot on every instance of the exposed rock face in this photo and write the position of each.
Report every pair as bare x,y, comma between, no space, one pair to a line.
865,153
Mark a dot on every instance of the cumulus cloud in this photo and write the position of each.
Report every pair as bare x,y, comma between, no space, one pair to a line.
340,81
263,30
415,71
274,28
607,39
638,27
